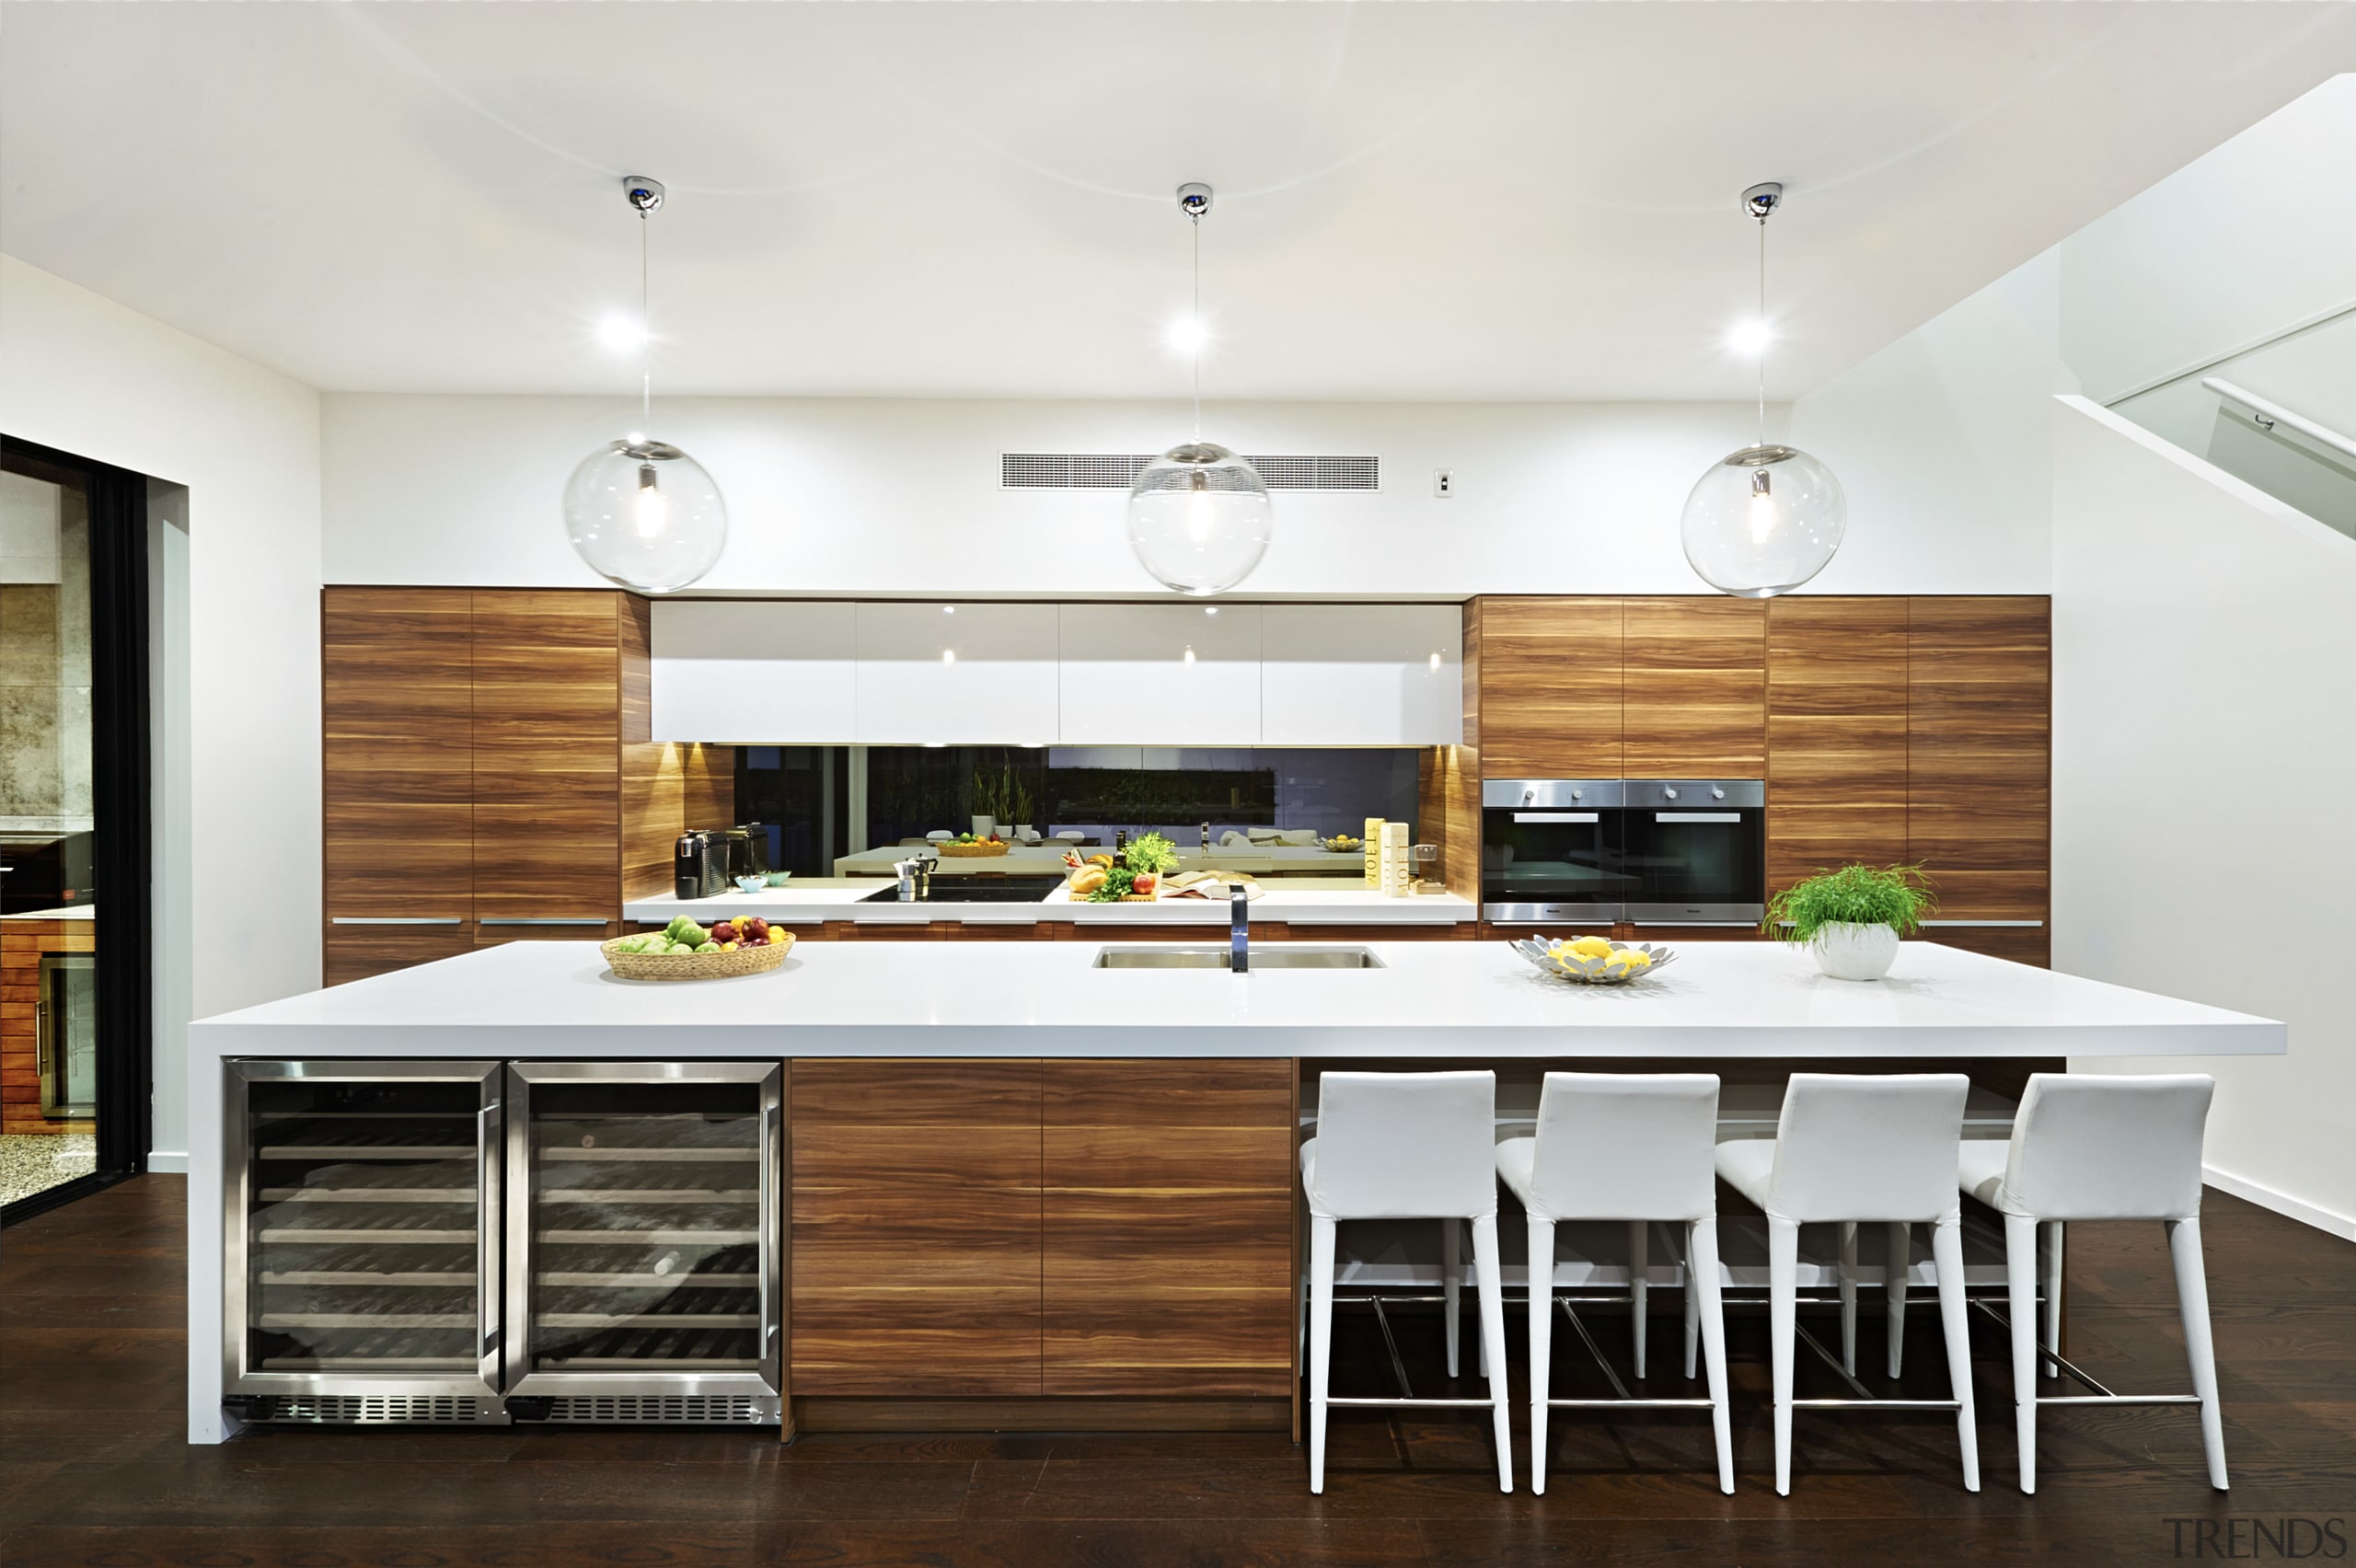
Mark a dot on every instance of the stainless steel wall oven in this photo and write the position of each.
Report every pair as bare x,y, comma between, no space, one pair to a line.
1599,851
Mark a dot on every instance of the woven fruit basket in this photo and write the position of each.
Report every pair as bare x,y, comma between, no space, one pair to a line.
971,851
697,966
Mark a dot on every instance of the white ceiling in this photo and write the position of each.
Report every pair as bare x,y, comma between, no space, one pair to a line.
1416,200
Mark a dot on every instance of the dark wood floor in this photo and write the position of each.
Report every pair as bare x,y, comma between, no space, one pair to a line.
92,1469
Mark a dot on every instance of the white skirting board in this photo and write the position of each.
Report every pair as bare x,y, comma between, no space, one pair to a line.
2339,1224
167,1161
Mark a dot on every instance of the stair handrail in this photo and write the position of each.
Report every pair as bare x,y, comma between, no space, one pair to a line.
2271,414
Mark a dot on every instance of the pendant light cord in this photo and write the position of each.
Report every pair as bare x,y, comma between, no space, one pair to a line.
1201,336
646,333
1762,329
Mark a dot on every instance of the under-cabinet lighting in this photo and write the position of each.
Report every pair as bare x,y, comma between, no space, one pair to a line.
1434,663
948,609
1190,655
948,655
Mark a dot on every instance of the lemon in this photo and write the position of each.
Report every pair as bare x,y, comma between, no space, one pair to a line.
1592,947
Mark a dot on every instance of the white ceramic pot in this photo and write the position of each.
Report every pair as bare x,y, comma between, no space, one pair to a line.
1855,953
984,826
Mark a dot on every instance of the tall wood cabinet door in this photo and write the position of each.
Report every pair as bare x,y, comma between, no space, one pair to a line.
396,746
1695,675
1550,685
1836,734
546,764
1979,755
1168,1225
915,1227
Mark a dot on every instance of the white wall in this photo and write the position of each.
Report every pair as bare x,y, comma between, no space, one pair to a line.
879,498
87,376
1942,443
2247,241
2204,726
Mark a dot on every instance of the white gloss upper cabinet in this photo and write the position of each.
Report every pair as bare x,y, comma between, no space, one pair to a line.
963,674
1362,674
753,671
1161,674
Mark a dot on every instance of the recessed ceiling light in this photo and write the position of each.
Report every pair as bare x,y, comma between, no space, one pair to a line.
1187,335
621,332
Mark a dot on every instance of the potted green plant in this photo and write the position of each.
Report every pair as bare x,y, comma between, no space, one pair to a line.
1851,918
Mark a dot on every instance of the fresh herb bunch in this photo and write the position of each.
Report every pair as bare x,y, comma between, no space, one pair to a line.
1150,855
1898,897
1118,881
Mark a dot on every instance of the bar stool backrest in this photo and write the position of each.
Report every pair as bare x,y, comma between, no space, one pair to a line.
1406,1146
1626,1145
1868,1146
2093,1147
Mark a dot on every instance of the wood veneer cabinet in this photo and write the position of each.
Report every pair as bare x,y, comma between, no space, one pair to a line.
1836,733
915,1226
1167,1220
1694,687
547,762
489,771
396,740
1027,1228
1549,683
1979,762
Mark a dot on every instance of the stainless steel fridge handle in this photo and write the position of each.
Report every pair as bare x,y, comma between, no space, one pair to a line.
489,1153
772,1219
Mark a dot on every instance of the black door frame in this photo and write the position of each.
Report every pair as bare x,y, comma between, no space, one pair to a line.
122,805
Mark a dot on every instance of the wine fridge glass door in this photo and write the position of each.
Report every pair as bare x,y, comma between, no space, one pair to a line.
647,1237
366,1248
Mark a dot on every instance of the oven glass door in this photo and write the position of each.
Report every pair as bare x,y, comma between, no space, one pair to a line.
1698,865
1550,864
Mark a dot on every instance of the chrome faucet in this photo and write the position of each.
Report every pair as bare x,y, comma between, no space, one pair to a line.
1239,928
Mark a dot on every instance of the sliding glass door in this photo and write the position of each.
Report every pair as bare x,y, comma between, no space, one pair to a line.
74,809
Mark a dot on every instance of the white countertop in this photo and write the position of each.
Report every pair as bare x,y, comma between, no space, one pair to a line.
1309,901
1432,1000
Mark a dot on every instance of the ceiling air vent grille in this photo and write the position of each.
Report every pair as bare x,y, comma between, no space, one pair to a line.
1118,470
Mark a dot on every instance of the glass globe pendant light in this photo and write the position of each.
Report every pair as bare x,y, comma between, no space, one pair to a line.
1200,516
1765,519
641,512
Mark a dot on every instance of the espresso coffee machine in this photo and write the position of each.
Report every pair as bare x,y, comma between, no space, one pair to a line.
700,863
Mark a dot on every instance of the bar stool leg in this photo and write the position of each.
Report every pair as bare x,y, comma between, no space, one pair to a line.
1542,1343
1901,1253
1451,1268
1849,1296
1782,1313
1320,1341
2192,1300
1639,1282
1947,1255
2020,1310
1702,1283
1491,1285
1692,1307
2053,1295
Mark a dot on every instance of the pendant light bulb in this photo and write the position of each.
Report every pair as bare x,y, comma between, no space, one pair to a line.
1744,532
1199,516
641,512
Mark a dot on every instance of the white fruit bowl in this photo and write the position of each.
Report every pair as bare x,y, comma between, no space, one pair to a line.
1597,971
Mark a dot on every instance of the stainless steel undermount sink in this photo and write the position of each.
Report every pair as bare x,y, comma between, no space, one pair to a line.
1272,955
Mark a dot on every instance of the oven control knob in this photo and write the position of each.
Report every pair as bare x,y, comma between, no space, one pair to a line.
1717,794
1579,794
1671,793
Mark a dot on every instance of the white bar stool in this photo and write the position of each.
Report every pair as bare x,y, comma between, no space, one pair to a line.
2098,1147
1402,1146
1849,1147
1636,1147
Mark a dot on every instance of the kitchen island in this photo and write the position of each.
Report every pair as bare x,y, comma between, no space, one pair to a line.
1021,1188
